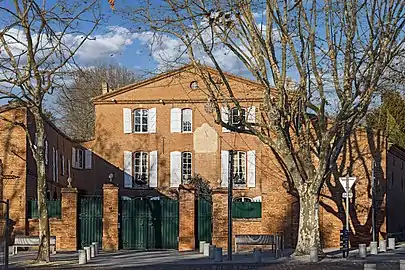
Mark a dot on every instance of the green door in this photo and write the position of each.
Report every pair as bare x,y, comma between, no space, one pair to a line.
90,223
204,221
149,224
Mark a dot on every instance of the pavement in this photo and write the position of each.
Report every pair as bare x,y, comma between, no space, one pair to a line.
171,259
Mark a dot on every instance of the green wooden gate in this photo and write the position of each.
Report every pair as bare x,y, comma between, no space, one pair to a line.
204,220
149,224
90,220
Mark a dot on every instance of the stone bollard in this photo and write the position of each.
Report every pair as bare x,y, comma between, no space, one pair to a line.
92,251
95,248
202,246
362,251
218,255
82,256
383,246
206,249
401,264
313,254
257,255
373,248
391,243
87,249
211,254
370,266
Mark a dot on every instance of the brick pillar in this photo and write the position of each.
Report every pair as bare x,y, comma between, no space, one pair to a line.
68,233
186,218
110,217
220,218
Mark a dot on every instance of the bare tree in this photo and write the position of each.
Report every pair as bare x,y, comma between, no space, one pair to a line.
74,106
335,51
38,40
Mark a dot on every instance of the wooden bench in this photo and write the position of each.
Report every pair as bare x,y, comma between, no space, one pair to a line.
273,240
30,241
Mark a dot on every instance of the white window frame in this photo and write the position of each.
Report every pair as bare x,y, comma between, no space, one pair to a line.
142,124
240,169
184,121
235,112
140,170
186,167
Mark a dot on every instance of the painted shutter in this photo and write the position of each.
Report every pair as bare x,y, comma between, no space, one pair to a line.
251,115
251,168
53,165
87,159
152,120
127,120
175,120
175,169
224,168
46,153
73,157
63,165
225,117
56,166
153,175
127,169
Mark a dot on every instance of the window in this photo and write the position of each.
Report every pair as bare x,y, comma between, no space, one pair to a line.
186,165
237,116
141,167
186,120
141,121
194,85
239,168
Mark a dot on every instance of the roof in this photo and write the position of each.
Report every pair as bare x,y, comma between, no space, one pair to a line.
167,74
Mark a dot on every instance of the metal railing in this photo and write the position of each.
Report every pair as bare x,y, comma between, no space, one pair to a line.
53,206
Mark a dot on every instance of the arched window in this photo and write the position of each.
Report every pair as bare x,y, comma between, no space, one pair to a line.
140,120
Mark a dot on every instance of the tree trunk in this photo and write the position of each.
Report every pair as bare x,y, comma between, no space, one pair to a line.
43,251
308,230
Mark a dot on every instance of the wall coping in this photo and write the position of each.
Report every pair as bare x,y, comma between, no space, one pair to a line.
69,190
110,186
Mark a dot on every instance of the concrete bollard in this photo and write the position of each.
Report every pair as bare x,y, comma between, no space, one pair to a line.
82,256
391,243
373,248
95,248
313,254
206,249
370,266
218,255
92,251
211,254
383,246
202,246
401,264
257,255
362,251
87,249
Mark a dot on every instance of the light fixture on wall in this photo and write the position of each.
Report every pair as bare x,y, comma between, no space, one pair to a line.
111,177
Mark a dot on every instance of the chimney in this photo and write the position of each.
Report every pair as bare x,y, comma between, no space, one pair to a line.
104,88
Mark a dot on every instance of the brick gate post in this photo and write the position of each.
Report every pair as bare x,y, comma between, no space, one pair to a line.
187,218
68,231
110,217
220,217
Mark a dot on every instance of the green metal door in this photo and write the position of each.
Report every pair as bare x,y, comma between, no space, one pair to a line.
149,224
204,220
90,220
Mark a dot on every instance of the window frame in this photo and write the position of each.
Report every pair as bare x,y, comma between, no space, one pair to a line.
183,121
142,166
239,169
232,115
189,169
141,118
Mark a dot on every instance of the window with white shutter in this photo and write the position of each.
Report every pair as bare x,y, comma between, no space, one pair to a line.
224,168
141,121
153,169
186,167
141,168
251,164
127,169
127,115
88,159
175,120
186,120
152,120
251,115
225,118
239,168
175,169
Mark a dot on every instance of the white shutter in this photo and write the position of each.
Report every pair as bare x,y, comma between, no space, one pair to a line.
56,166
251,115
152,120
175,120
175,169
53,165
127,120
225,118
251,168
73,157
87,159
127,169
153,175
46,152
224,168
